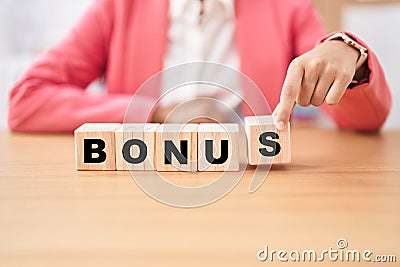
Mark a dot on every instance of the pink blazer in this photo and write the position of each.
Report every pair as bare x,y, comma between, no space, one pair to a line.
125,40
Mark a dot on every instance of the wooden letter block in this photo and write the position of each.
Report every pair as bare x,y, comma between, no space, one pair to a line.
95,146
266,144
135,146
218,147
176,147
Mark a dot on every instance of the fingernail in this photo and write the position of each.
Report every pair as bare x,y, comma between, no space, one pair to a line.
280,126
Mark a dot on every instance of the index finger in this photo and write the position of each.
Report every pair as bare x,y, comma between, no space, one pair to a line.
290,91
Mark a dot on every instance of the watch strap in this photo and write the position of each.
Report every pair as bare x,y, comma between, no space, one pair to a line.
352,43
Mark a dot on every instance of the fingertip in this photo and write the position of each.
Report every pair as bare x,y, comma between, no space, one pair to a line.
279,120
280,125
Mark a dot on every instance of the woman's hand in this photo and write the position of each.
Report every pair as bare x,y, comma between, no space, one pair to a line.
320,75
161,114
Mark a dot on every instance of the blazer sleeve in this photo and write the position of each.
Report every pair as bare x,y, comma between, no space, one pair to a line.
51,95
306,26
364,107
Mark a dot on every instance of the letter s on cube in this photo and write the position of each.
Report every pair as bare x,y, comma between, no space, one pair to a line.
266,144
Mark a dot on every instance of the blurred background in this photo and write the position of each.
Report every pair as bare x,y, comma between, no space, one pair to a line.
29,27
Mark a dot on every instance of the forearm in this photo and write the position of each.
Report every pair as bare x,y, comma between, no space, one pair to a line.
64,108
366,103
365,106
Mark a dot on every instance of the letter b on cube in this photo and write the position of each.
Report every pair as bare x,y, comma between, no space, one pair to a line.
95,146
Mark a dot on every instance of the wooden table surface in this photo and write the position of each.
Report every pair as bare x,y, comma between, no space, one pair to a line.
339,185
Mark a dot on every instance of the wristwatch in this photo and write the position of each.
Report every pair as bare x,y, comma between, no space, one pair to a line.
351,42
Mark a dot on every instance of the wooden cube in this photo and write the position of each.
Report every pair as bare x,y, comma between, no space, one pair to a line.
95,146
176,147
135,146
218,147
266,144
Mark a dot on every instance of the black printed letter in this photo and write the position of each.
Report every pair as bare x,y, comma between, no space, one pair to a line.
170,149
264,139
126,151
89,151
224,152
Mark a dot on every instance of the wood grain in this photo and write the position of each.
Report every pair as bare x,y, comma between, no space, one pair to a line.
257,125
102,131
216,133
177,133
339,184
143,132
